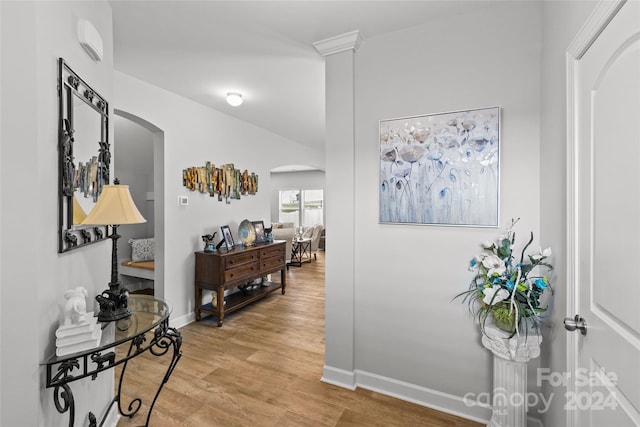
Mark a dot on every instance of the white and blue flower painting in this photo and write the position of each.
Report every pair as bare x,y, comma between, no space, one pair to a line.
441,169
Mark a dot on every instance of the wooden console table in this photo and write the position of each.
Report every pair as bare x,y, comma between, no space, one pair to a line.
226,269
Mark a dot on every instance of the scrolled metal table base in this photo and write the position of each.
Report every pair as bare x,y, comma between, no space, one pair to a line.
91,363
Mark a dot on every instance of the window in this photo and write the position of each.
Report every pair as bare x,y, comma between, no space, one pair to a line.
313,207
290,206
302,207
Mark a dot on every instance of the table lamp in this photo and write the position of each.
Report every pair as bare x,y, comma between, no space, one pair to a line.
114,207
78,213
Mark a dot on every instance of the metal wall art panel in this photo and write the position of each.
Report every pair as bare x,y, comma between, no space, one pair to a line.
226,181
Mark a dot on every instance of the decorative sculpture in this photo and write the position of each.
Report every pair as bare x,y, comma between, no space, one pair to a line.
71,239
68,167
209,246
75,308
111,304
86,236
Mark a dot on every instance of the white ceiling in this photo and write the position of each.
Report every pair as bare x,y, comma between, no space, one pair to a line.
263,49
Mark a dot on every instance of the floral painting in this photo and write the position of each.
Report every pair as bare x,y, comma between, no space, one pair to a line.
441,169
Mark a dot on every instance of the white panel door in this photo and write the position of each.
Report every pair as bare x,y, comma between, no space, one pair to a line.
606,206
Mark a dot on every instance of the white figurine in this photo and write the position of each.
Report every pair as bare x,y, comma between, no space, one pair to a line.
75,309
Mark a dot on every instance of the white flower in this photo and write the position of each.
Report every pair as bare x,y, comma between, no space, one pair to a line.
494,264
542,253
480,257
500,295
487,244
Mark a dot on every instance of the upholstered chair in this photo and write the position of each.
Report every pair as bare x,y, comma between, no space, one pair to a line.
284,233
314,233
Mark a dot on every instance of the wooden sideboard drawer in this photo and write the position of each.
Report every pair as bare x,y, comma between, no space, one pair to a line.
242,258
243,270
273,261
269,252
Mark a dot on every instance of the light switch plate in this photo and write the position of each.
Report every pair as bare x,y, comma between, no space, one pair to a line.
183,200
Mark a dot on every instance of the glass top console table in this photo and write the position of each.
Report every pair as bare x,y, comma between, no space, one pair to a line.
146,329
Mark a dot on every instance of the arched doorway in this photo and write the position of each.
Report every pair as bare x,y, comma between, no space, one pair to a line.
135,129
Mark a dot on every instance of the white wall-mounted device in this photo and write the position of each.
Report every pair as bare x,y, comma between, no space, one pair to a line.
183,200
90,39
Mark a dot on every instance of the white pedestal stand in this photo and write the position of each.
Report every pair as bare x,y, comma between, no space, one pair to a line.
510,357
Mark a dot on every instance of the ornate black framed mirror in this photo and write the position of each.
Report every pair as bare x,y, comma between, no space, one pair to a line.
84,157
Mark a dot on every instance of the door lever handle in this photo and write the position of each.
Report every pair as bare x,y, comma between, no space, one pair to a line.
576,323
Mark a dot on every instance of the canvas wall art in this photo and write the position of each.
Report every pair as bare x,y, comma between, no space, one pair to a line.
441,169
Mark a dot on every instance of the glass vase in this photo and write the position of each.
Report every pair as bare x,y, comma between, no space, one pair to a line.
507,324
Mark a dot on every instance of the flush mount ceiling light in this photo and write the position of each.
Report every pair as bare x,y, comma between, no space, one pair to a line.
234,98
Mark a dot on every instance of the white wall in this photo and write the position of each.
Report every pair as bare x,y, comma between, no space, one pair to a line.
562,21
410,338
193,135
133,161
33,275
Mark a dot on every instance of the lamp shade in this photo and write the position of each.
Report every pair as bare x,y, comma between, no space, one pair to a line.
114,207
78,213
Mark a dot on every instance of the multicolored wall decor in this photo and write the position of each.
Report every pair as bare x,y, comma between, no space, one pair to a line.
226,181
441,169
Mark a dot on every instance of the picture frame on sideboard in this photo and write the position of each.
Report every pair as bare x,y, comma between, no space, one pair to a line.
227,236
260,234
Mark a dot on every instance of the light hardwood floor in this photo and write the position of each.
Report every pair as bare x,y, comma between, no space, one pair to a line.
263,368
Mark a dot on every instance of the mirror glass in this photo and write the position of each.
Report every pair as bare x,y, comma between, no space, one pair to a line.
87,127
84,158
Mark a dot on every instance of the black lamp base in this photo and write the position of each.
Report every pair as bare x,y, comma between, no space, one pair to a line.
113,303
114,315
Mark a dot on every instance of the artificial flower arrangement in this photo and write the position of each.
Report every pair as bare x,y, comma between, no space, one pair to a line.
507,288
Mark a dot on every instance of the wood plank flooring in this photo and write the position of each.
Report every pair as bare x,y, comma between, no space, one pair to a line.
263,368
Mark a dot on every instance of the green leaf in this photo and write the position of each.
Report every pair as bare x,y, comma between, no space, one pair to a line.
526,268
504,250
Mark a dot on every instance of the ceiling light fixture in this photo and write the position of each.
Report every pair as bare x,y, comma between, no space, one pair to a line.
234,99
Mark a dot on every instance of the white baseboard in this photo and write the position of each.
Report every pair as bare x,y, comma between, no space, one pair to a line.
179,322
339,377
423,396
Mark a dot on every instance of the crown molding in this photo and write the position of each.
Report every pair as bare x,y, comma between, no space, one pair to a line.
340,43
